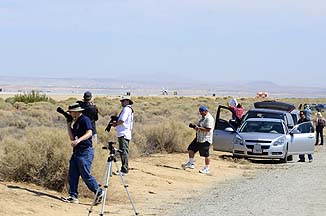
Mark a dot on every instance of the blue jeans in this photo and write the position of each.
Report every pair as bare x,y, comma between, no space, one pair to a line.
80,165
319,133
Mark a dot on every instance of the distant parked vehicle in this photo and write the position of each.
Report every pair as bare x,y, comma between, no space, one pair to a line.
267,138
314,107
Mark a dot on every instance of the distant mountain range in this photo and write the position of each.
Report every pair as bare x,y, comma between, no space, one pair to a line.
118,87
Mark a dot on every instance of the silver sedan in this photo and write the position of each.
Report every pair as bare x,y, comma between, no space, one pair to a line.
266,138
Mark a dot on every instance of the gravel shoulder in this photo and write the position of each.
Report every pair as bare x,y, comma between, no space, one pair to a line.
291,189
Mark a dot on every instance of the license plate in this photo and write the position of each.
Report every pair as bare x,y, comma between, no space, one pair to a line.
257,149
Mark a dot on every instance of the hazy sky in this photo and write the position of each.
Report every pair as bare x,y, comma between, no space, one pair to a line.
283,41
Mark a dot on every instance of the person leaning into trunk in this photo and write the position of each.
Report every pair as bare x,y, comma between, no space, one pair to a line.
80,134
202,141
124,128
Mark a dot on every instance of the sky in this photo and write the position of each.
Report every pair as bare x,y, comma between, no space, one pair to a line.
282,41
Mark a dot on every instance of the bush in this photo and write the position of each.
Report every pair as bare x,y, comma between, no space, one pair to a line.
168,136
33,96
38,157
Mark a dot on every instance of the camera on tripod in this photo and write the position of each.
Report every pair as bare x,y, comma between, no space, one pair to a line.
65,114
192,125
112,120
109,146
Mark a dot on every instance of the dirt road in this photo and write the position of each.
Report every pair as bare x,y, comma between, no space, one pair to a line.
159,186
292,189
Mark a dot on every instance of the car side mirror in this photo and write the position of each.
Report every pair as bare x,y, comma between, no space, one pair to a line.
294,131
229,129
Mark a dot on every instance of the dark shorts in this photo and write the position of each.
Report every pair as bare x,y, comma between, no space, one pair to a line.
203,148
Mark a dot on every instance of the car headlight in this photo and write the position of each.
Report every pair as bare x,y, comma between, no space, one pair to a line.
279,141
238,140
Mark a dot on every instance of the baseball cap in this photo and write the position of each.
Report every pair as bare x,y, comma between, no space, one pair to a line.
203,108
87,95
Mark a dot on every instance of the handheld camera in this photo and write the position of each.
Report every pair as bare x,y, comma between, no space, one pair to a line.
113,119
192,125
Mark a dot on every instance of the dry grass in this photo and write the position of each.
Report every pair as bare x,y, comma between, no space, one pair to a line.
34,144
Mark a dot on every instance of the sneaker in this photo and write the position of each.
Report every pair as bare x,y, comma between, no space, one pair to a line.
122,173
188,165
70,199
205,170
301,160
98,199
310,160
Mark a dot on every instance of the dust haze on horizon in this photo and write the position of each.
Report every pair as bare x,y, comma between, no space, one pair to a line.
220,41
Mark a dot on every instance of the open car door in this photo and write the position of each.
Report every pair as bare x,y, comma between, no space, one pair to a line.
222,137
302,139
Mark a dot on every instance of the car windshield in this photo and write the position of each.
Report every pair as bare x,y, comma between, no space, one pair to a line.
262,127
264,115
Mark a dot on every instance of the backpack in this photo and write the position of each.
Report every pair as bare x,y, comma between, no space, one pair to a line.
90,110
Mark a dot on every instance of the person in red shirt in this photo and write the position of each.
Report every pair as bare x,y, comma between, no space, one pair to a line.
238,110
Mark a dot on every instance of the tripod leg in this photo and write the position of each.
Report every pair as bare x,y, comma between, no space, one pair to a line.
108,174
126,187
105,177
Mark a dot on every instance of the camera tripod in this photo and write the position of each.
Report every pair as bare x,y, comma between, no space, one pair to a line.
107,175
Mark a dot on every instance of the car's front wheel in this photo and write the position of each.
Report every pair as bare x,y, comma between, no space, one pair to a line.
284,160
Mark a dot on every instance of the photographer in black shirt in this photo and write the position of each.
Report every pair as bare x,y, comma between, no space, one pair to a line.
91,111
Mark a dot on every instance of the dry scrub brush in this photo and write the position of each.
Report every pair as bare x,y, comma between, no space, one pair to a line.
34,145
40,156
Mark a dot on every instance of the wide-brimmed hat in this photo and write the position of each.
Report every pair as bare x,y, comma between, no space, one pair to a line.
87,95
75,107
126,97
319,114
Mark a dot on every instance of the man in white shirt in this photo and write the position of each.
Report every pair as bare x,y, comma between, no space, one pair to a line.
123,128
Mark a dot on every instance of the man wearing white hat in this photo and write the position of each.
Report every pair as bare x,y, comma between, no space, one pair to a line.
124,128
80,133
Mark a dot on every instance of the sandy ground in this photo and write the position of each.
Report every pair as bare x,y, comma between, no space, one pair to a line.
153,181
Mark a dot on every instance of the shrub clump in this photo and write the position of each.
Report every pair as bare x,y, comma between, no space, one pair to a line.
36,158
168,136
31,97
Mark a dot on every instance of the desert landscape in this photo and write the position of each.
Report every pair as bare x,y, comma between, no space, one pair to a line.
153,182
156,180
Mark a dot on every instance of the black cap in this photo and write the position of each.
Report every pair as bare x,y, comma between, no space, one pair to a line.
87,95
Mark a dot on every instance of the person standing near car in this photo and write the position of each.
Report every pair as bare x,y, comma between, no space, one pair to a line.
80,134
123,127
307,112
320,124
301,120
202,141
